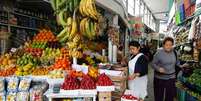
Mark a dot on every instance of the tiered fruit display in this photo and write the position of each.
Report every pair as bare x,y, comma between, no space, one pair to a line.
87,83
8,72
40,71
70,83
24,70
34,51
26,59
104,80
7,61
62,63
49,54
130,97
57,73
26,64
37,44
44,36
93,72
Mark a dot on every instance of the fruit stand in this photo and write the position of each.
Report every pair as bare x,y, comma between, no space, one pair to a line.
188,82
68,64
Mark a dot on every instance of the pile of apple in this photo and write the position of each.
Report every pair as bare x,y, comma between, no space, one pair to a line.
70,83
104,80
87,83
130,97
7,72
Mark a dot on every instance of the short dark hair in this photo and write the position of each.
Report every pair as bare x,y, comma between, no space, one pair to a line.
168,39
134,44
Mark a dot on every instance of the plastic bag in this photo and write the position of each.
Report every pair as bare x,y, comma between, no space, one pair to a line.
23,96
2,85
24,84
36,95
13,84
2,96
11,96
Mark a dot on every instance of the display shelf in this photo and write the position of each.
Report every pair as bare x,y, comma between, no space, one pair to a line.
71,94
180,85
186,20
17,26
28,16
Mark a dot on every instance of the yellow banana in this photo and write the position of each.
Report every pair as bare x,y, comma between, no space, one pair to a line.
84,8
82,25
81,8
91,9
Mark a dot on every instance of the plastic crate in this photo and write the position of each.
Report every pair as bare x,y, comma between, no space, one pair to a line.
181,94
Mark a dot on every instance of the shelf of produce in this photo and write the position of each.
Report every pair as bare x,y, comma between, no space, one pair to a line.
71,94
188,91
28,16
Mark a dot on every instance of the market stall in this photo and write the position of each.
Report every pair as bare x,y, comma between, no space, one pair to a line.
69,63
187,33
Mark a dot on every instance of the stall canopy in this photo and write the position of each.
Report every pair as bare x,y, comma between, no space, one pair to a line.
115,6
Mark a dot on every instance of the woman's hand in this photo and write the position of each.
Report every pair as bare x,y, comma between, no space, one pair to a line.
133,76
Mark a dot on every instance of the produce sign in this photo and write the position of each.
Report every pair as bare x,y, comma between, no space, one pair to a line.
104,80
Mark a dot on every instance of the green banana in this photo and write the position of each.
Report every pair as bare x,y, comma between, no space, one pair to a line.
61,18
92,30
62,33
71,6
87,29
62,4
64,39
53,4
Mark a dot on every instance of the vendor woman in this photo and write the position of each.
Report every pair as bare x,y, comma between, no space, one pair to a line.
138,70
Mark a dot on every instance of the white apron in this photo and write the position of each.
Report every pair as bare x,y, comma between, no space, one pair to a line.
139,84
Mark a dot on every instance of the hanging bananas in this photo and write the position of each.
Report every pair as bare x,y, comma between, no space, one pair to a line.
88,28
87,8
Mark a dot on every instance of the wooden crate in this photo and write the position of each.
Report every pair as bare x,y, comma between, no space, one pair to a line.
105,96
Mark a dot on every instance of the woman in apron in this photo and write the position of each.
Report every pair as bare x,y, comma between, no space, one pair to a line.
138,69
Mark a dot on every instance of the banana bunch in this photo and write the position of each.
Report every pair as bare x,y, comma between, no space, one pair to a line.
67,5
88,8
75,53
69,31
88,28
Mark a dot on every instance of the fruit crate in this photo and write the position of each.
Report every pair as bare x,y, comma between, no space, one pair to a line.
105,96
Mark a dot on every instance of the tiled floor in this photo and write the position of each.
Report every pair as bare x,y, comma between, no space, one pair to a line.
150,85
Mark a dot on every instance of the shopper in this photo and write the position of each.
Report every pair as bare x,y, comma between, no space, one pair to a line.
138,69
164,63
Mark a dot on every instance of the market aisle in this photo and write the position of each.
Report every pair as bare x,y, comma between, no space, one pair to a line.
150,85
